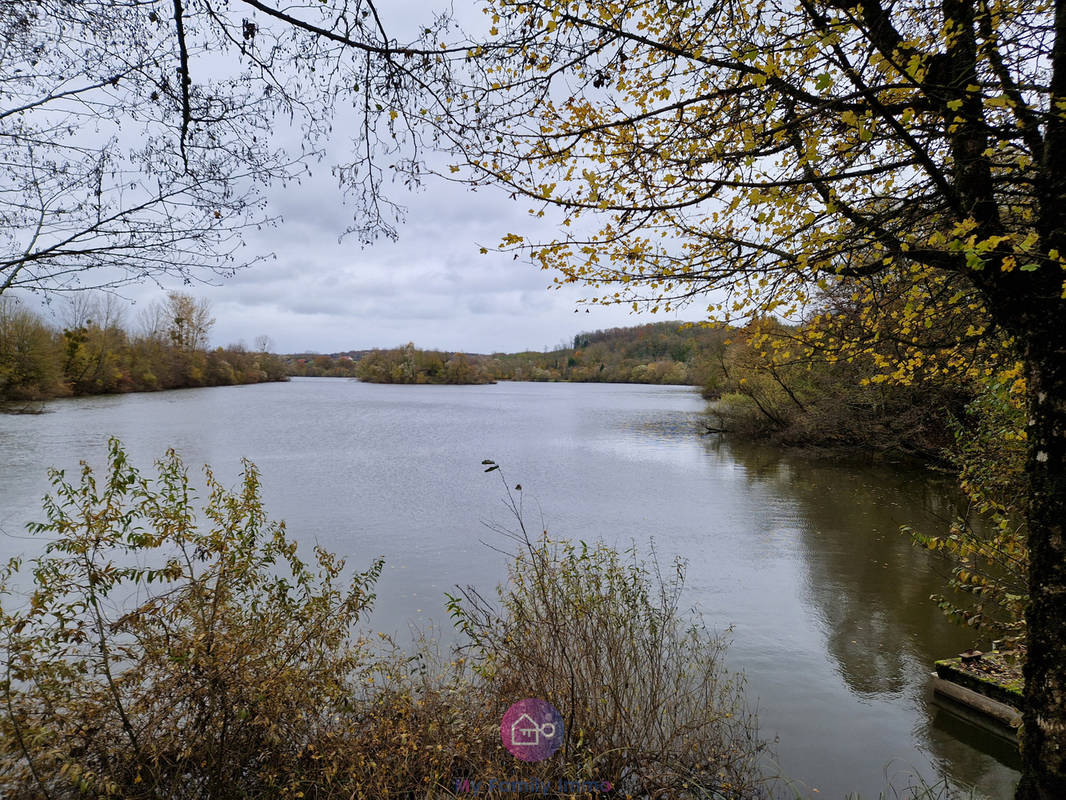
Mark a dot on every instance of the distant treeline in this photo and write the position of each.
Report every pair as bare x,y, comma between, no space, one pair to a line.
660,352
663,352
314,365
92,351
766,382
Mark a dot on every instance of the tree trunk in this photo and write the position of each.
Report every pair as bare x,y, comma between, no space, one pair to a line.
1044,721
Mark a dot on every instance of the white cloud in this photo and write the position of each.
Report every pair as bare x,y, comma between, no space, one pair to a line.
432,286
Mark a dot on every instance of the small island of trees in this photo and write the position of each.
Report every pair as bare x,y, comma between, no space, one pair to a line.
408,364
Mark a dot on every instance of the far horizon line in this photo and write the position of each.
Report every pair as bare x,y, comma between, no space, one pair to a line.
543,349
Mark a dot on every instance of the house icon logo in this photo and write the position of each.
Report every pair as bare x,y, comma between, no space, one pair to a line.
525,732
532,729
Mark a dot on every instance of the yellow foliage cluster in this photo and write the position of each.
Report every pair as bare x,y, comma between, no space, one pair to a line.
758,153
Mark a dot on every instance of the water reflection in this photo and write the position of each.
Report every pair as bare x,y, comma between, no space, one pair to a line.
869,588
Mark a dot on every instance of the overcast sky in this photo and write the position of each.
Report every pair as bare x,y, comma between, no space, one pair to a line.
431,287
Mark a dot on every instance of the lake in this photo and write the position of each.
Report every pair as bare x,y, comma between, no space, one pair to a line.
826,602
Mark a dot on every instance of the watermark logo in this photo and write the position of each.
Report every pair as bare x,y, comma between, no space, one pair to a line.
532,729
496,786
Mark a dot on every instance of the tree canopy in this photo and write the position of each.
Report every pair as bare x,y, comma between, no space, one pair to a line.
763,149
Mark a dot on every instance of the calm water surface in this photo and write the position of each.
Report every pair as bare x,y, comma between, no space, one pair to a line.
801,558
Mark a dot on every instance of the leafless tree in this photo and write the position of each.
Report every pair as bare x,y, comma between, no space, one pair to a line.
138,137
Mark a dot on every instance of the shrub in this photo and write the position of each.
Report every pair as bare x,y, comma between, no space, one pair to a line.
646,700
165,654
216,675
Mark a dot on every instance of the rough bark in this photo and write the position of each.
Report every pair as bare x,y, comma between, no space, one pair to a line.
1043,742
